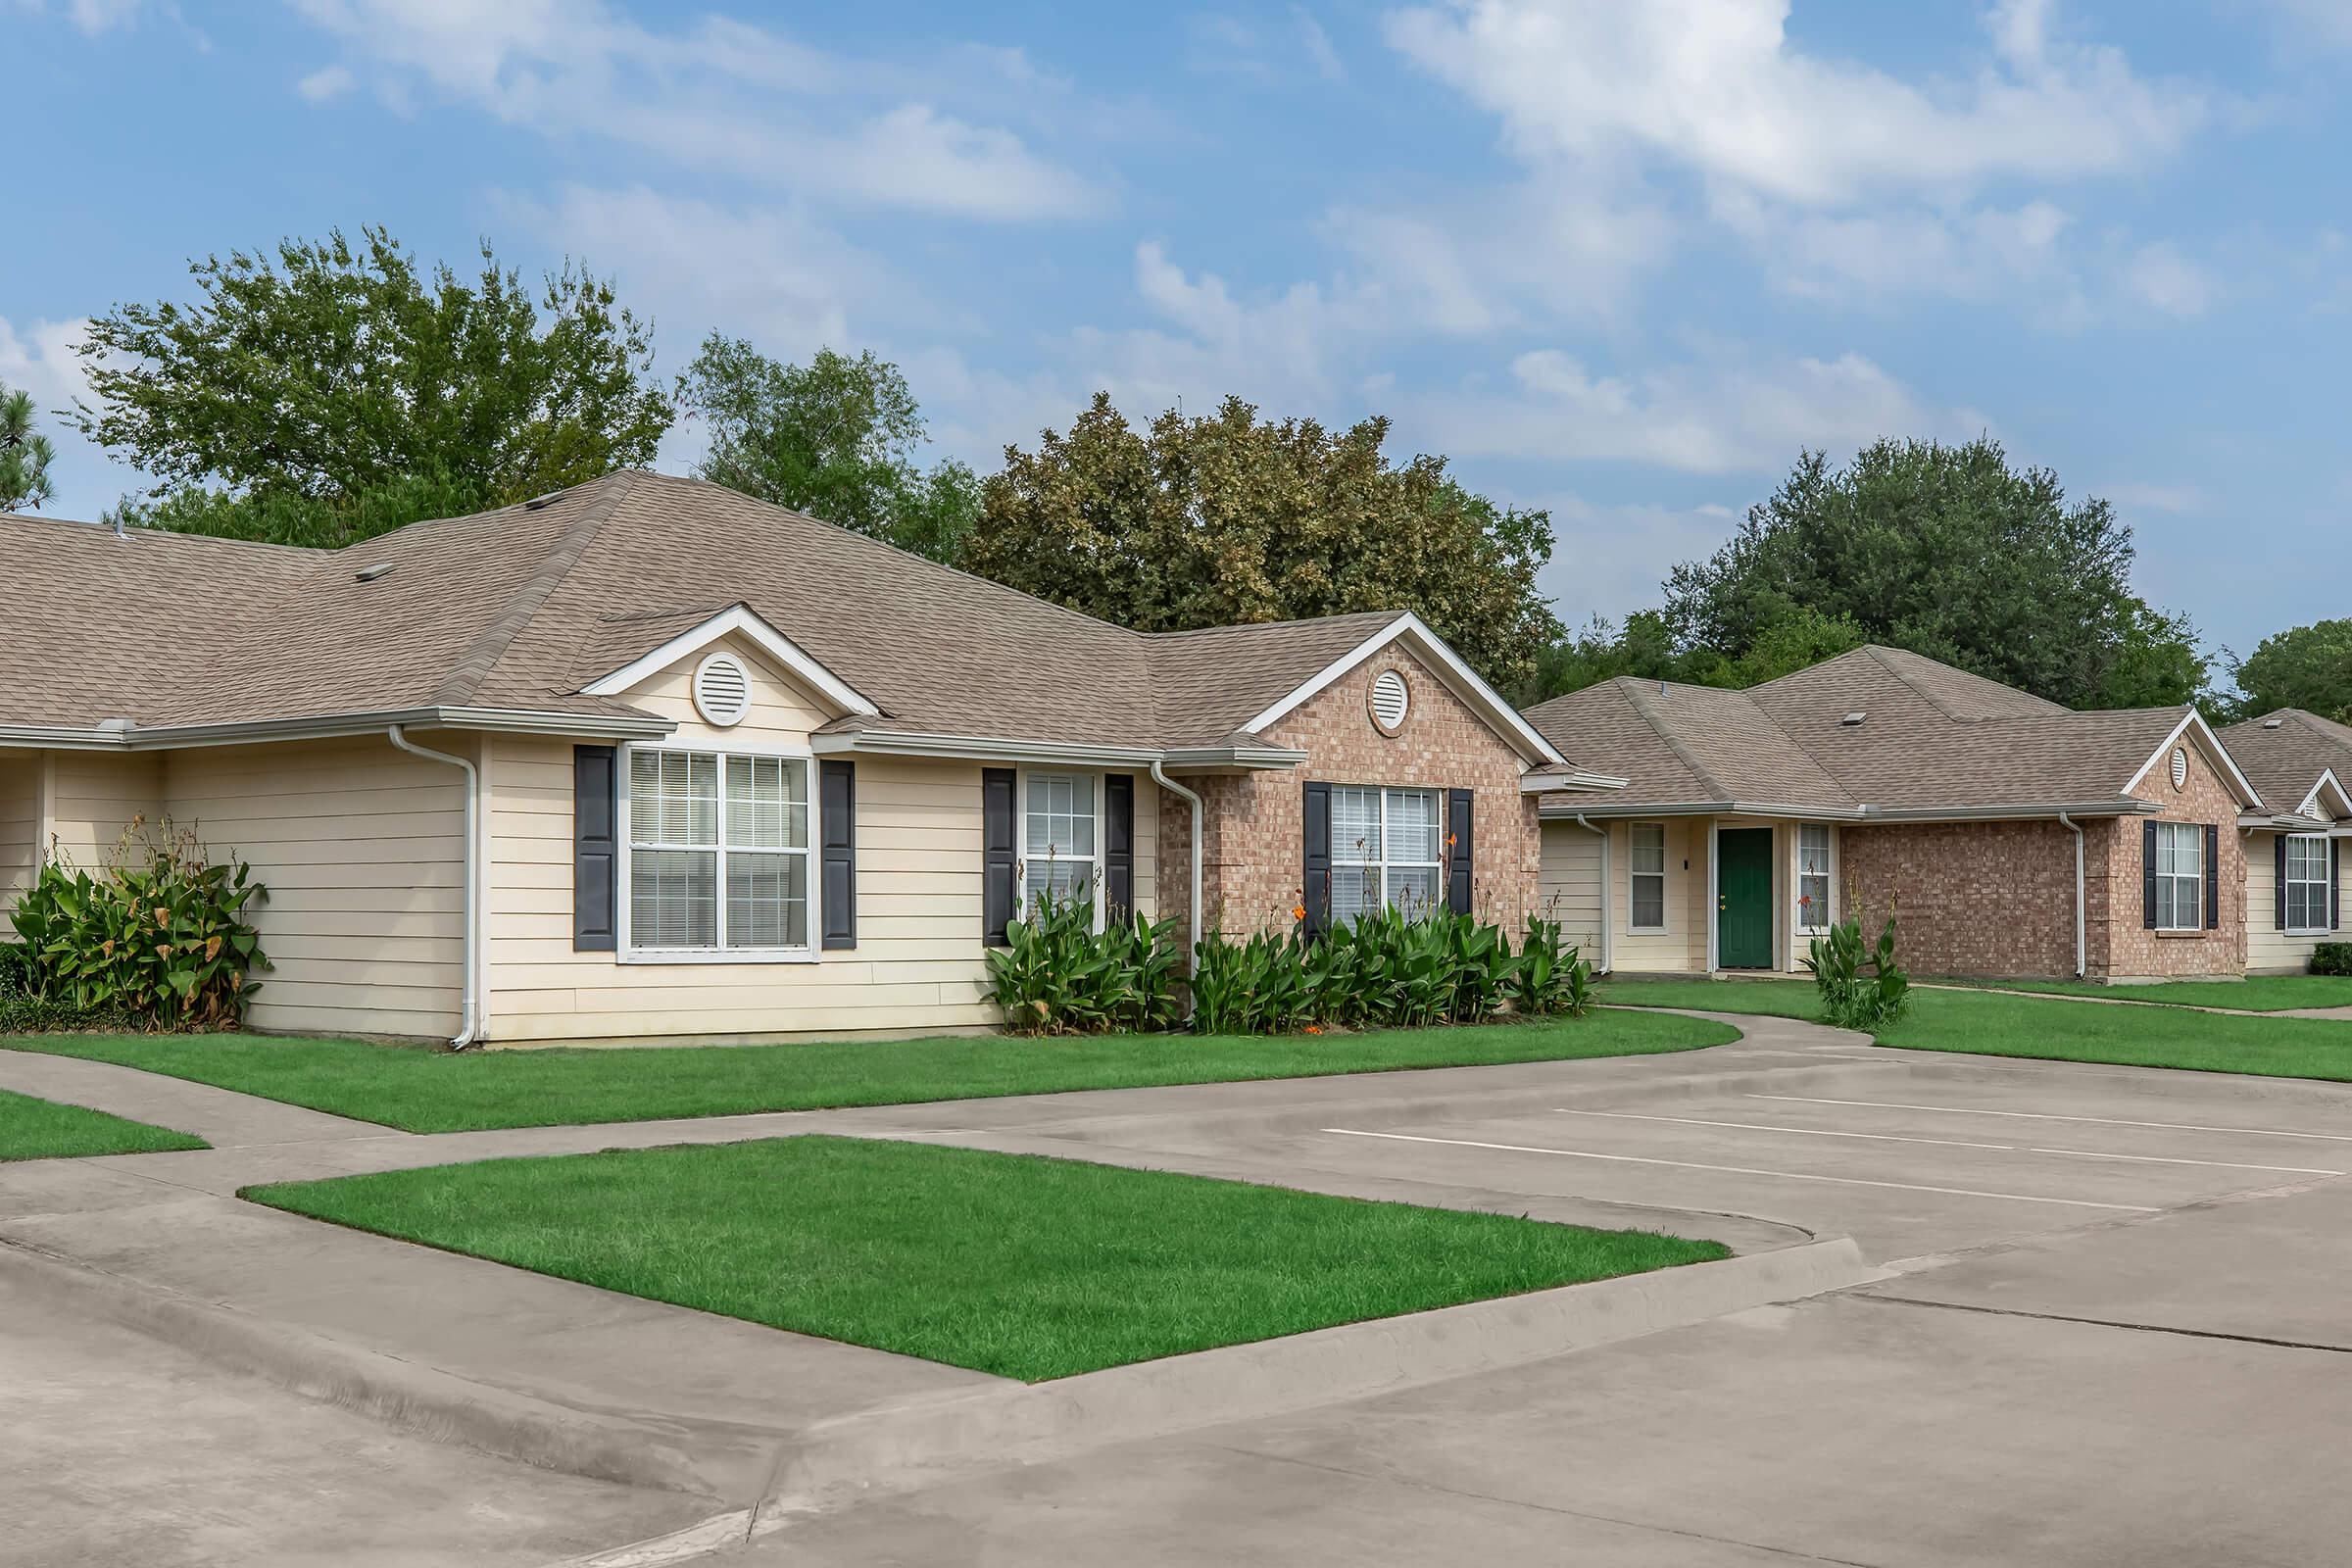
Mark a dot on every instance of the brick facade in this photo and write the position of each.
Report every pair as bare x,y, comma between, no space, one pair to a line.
1252,862
1997,898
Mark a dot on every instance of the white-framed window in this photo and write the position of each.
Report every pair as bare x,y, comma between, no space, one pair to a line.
719,860
1386,850
1813,877
2179,876
1061,838
2307,882
1649,869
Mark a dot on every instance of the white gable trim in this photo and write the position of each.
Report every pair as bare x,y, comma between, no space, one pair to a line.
1500,715
2326,781
735,620
2193,725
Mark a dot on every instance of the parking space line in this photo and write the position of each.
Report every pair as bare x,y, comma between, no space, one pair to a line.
2218,1164
1762,1127
2043,1115
1743,1170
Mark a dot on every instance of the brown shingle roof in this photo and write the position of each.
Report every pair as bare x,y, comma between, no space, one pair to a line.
1929,738
2285,762
522,607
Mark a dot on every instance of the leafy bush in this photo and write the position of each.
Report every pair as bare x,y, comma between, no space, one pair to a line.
1057,976
1862,987
158,937
2331,958
1548,979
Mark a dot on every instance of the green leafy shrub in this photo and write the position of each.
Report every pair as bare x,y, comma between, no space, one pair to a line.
1862,986
2331,958
158,937
1057,976
1548,979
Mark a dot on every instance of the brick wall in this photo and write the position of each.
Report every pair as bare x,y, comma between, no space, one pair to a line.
1253,851
1970,897
2133,950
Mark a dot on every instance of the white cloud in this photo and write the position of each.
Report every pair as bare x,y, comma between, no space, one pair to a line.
1608,559
2160,277
1716,87
327,82
1269,48
720,95
95,16
42,360
1725,413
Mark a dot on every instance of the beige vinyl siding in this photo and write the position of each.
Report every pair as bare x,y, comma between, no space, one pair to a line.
917,965
1568,885
2269,950
1682,947
20,825
93,796
361,848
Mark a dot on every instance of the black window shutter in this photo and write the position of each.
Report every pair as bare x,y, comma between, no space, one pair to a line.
1000,874
1118,845
1315,890
2147,874
595,849
1458,851
2281,843
2213,877
837,820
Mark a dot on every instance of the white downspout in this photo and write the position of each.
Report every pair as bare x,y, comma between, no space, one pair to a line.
1198,918
469,1022
1608,923
2081,956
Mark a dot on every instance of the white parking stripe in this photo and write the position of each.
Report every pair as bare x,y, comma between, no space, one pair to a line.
2041,1116
1760,1127
1743,1170
2218,1164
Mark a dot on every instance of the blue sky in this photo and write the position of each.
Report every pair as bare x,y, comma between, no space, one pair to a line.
1618,257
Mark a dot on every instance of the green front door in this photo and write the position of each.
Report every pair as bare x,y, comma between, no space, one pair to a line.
1744,897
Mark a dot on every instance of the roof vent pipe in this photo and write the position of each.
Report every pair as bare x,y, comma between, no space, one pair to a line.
2274,723
1853,719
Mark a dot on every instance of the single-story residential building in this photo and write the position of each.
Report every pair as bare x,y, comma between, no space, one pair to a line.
648,758
2294,846
2012,836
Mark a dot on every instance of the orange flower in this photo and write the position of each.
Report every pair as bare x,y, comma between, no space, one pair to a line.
1314,1028
1449,841
1297,911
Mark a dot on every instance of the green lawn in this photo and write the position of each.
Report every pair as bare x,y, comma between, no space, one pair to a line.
43,1129
2262,993
1026,1267
1996,1025
426,1091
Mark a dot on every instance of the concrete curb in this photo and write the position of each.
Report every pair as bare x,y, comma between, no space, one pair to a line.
901,1448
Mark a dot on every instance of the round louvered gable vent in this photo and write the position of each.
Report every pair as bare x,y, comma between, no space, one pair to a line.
2180,767
723,690
1391,699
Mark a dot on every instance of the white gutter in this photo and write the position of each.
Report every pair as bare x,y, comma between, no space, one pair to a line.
473,1020
1608,885
1161,778
2081,948
997,749
118,734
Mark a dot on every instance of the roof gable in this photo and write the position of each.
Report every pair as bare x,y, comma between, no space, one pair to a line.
734,622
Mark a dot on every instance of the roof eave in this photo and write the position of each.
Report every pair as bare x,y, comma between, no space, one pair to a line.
124,736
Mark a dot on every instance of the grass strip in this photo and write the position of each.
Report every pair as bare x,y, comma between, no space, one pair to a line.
45,1129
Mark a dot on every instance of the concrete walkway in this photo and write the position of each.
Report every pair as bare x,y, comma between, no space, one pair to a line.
2338,1015
221,1117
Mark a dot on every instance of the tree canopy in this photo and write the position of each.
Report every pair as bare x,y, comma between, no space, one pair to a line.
835,438
25,455
2305,667
1226,519
324,392
1950,552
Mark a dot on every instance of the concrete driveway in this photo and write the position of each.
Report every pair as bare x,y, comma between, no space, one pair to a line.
2112,1331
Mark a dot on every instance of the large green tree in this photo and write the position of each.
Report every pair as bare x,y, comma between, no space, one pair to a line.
25,455
1950,552
327,389
1225,518
835,438
1647,648
2306,667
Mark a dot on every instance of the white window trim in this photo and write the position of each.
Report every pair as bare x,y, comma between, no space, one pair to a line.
625,952
2323,882
1664,874
1385,863
2197,835
1020,812
1827,915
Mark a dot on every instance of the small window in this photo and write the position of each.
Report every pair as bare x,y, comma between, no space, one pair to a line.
2307,882
1060,845
2179,876
1650,877
718,853
1813,876
1386,850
